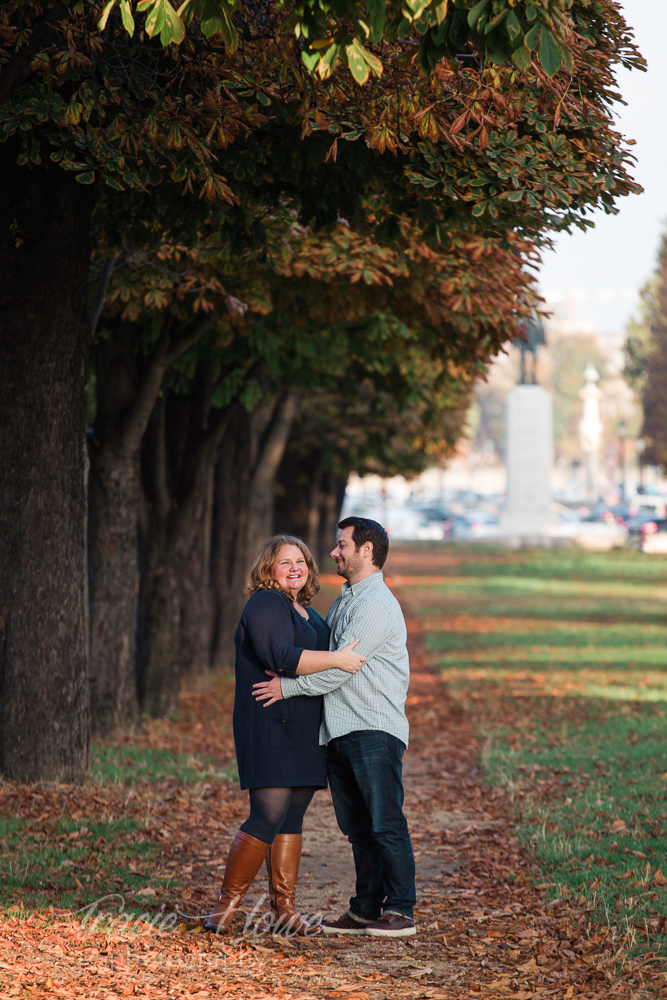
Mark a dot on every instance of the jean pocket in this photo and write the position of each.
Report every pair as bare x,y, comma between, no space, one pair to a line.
284,733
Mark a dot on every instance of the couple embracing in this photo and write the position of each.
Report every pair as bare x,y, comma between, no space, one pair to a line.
333,708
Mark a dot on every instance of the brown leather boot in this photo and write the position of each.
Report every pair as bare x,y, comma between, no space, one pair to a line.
243,862
282,863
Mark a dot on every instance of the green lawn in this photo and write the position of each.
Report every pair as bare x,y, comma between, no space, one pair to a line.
562,658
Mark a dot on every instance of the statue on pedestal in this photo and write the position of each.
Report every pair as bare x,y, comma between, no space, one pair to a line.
533,335
528,448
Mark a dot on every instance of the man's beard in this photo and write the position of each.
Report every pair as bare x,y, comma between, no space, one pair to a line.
348,568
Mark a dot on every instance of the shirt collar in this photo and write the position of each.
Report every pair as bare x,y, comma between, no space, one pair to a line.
366,584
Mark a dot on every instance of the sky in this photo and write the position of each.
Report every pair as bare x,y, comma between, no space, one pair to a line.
594,278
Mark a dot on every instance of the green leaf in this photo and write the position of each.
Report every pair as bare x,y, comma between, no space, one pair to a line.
126,14
358,66
441,10
174,29
155,19
310,59
113,183
521,58
477,11
102,23
513,26
221,24
376,11
413,9
532,36
549,54
87,178
371,61
531,12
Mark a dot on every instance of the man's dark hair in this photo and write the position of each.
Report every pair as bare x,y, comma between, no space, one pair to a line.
366,530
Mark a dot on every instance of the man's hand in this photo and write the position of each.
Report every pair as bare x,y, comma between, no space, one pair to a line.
268,691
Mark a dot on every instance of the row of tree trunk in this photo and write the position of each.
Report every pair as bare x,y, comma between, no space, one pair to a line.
181,495
123,552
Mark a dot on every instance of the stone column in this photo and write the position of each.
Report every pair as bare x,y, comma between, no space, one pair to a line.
529,458
590,432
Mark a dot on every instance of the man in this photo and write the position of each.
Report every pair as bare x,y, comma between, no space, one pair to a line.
366,733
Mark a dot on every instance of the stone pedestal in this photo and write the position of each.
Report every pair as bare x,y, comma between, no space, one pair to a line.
529,458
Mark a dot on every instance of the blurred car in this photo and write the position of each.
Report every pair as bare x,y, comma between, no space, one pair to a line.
653,537
403,524
475,524
590,532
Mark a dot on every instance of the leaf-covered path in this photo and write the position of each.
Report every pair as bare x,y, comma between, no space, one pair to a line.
485,929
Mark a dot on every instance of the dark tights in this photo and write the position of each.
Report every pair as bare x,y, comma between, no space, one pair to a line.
276,810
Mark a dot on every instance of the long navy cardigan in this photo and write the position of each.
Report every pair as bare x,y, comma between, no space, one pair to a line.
277,746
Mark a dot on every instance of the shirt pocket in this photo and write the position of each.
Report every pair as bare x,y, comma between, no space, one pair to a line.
284,733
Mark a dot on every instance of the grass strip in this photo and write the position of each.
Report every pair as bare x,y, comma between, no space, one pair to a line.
572,704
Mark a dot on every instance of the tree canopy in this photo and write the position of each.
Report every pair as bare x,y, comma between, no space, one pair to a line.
276,198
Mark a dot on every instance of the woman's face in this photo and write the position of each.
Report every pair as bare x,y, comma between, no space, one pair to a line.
290,569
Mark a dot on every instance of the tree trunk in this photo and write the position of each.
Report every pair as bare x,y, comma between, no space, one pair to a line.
196,623
269,454
309,501
254,447
229,558
114,490
159,607
128,385
44,258
182,448
331,496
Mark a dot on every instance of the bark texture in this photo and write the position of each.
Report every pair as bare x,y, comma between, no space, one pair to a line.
44,341
114,490
128,384
245,480
181,449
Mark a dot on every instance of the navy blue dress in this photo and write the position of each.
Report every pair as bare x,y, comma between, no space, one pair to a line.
277,746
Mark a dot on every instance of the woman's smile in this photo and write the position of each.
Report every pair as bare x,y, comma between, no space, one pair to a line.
290,569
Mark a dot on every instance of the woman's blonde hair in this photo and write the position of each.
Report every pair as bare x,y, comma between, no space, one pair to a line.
260,571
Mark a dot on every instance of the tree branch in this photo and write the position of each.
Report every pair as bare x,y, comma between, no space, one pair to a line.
190,335
136,419
165,352
272,447
101,294
202,459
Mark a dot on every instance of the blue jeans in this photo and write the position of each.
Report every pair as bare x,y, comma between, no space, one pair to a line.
366,777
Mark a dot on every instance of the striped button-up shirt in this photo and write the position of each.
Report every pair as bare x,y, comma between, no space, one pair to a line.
374,697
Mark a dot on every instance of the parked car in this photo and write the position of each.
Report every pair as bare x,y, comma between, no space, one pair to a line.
653,537
475,524
403,524
591,532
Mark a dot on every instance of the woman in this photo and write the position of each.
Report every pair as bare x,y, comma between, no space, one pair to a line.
277,748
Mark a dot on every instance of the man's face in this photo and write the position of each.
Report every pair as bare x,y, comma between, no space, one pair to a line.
348,559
